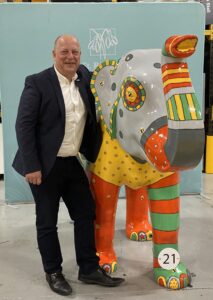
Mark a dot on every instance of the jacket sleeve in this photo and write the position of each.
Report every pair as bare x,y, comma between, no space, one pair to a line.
26,126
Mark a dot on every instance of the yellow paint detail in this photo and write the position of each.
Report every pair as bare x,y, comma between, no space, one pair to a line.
131,95
176,80
107,62
93,90
92,81
149,235
120,163
191,106
113,266
187,45
161,278
209,151
173,284
175,71
170,109
179,108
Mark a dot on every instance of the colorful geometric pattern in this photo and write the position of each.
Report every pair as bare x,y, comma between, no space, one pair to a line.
133,94
183,107
112,63
175,75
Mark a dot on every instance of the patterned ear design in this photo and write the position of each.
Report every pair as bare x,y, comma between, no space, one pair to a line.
104,88
133,94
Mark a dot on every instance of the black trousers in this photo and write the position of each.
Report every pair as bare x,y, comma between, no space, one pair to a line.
67,180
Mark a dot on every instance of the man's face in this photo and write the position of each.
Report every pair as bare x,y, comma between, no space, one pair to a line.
67,55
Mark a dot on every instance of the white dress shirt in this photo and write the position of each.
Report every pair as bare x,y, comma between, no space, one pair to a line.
75,114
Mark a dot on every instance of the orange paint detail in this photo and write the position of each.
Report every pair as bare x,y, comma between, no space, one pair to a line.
165,206
165,237
183,277
176,85
181,46
172,66
173,179
154,149
156,263
162,281
137,211
175,75
106,195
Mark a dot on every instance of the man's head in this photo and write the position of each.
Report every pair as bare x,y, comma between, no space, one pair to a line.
66,54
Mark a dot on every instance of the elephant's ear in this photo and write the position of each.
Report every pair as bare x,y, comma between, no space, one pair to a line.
103,87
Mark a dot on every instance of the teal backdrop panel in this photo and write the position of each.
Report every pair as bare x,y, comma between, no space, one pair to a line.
105,30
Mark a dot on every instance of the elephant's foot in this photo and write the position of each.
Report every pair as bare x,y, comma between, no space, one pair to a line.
141,231
108,261
175,279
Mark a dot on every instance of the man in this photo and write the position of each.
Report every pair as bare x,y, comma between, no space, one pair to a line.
56,119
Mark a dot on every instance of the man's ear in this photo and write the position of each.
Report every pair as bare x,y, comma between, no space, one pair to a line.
53,53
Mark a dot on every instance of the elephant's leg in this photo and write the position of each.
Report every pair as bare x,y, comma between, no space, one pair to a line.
138,227
106,197
164,211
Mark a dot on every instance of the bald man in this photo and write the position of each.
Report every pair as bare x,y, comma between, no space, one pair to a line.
56,119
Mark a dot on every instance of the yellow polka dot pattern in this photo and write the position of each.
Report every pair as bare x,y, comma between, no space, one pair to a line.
115,166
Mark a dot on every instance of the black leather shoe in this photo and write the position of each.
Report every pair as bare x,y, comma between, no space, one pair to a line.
100,277
58,284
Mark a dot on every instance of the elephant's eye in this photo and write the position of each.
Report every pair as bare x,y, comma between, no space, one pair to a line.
133,94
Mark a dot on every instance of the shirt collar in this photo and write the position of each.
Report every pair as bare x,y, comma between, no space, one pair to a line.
62,78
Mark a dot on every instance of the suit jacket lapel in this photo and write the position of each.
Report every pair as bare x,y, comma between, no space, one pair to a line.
82,90
58,92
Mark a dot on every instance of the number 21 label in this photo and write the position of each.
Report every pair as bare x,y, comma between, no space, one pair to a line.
168,258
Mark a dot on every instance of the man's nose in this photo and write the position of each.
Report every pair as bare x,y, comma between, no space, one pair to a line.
70,54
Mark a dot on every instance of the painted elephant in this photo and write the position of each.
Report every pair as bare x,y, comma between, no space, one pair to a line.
151,119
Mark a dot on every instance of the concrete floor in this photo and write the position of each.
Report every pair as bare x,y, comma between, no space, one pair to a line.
22,278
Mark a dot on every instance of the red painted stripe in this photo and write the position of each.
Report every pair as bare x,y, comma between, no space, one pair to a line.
176,85
176,75
179,65
165,206
167,181
165,237
156,263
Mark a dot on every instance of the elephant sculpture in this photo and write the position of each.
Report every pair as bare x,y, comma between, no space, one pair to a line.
152,128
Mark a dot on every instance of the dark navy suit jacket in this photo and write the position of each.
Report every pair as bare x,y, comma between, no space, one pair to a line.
40,123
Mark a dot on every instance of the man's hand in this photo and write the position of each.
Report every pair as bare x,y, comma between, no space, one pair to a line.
34,178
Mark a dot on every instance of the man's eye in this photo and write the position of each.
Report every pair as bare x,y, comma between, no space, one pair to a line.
75,52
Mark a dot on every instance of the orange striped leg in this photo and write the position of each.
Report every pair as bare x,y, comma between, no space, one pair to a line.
138,227
106,197
164,211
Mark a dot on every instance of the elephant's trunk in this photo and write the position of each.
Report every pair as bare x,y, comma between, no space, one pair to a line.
179,143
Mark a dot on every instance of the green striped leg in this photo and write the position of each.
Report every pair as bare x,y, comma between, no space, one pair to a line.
164,212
